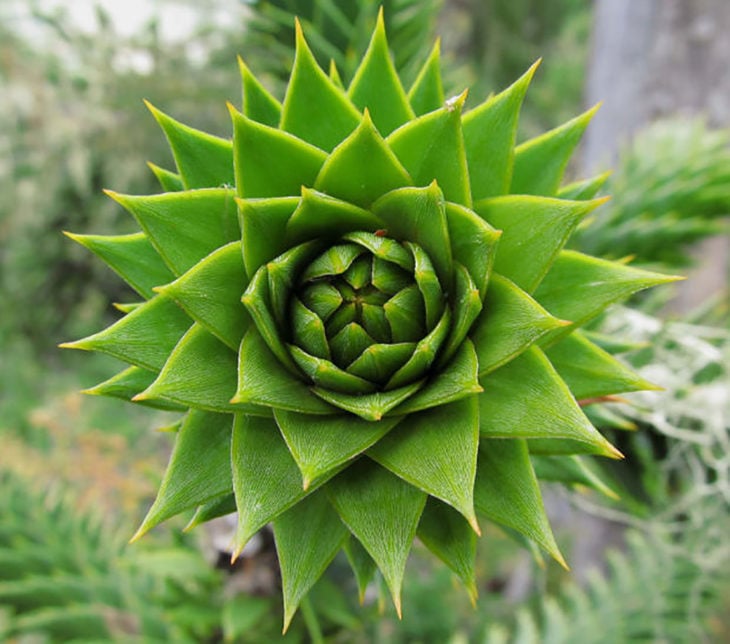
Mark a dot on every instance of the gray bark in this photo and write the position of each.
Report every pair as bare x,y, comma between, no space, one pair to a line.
655,58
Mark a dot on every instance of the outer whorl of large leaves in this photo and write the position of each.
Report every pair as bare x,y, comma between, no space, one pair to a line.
376,330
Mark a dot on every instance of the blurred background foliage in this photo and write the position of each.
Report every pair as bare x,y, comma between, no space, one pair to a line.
77,472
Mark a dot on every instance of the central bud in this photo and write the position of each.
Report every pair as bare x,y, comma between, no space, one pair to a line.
368,314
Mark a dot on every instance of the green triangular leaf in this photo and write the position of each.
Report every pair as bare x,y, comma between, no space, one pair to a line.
467,305
266,480
510,322
427,92
308,536
132,257
199,468
377,87
258,103
362,168
454,381
418,215
362,565
447,535
169,181
185,226
579,287
315,109
507,492
129,383
436,451
591,372
382,511
319,216
200,373
262,380
431,148
489,135
219,507
541,162
203,160
371,407
473,243
145,337
210,293
263,224
534,227
322,443
552,412
571,470
270,162
585,189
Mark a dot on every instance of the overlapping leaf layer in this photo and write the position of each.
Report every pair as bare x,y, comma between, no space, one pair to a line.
374,333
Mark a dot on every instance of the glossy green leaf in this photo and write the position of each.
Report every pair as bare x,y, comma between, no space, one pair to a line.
210,293
534,231
334,261
541,162
358,274
377,87
368,406
327,375
467,304
378,362
308,536
406,315
262,380
258,103
185,226
315,109
456,380
489,135
263,225
506,491
423,355
169,181
418,215
144,338
200,373
389,278
579,287
362,168
199,469
129,383
219,507
270,162
429,285
447,535
257,300
584,189
203,160
382,511
591,372
334,75
362,565
427,92
266,480
571,470
473,243
349,343
132,257
322,298
308,330
436,451
383,248
431,148
282,274
319,216
320,444
510,322
552,412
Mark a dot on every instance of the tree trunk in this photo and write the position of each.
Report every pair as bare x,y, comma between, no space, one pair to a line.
654,58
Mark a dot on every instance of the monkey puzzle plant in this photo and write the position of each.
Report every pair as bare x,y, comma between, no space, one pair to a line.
364,305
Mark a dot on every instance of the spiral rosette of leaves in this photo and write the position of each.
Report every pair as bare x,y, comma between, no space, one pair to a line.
364,306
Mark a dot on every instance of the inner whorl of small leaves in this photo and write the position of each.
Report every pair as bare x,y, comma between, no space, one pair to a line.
367,305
